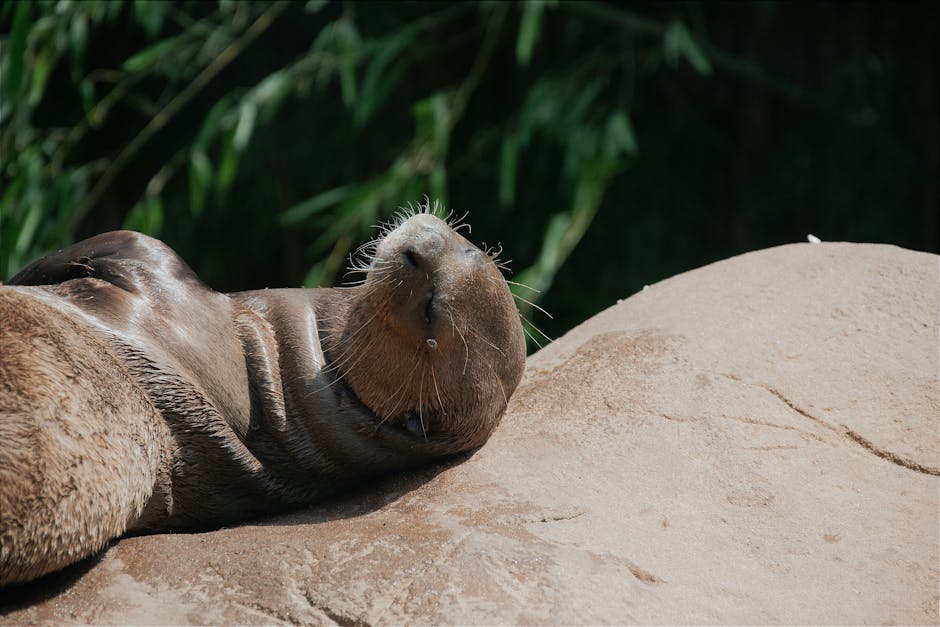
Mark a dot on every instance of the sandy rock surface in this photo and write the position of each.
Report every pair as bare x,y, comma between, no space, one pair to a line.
755,441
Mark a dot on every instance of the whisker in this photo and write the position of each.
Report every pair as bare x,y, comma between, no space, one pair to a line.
465,345
503,265
440,402
459,223
535,327
523,285
531,304
400,392
424,429
532,337
499,383
486,341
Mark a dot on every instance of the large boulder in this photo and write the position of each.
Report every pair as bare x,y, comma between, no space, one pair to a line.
755,441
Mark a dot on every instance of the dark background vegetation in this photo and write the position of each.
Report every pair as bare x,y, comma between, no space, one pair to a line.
605,145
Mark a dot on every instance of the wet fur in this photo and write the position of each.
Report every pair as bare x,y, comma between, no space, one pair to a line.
134,398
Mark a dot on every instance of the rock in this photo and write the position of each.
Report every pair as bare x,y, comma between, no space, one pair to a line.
755,441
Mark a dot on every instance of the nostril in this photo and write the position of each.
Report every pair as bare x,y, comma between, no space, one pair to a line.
411,258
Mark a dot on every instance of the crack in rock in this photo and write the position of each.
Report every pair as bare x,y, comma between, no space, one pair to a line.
743,420
547,517
559,517
894,458
674,418
869,446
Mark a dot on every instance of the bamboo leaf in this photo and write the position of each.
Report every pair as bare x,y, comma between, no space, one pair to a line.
146,216
678,41
303,210
529,28
432,118
441,123
87,90
154,216
539,276
347,47
14,72
508,161
246,124
78,40
620,138
210,124
28,229
228,168
581,102
438,183
149,56
314,277
40,75
378,80
379,93
272,88
149,14
200,178
349,215
313,6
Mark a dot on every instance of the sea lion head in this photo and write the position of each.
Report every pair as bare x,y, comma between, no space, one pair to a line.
432,342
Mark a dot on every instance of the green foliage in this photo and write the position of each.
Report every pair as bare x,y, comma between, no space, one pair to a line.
50,193
288,130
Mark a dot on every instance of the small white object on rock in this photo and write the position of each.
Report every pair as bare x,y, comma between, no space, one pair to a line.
812,239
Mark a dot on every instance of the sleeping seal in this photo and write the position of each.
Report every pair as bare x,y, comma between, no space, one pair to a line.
134,398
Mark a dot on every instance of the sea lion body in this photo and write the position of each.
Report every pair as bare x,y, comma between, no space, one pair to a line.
135,398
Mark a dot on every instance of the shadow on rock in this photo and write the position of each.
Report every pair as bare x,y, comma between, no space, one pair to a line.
19,596
363,499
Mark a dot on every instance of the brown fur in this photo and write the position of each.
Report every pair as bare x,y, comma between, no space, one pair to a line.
80,444
132,397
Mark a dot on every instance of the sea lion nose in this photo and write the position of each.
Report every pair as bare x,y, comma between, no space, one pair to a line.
425,249
412,259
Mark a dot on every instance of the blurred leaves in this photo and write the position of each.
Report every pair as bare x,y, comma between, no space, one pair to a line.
41,176
184,45
50,193
524,112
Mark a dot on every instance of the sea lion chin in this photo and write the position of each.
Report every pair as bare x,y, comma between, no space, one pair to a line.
134,398
435,307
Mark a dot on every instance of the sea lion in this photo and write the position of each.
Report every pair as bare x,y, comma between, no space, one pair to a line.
134,398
